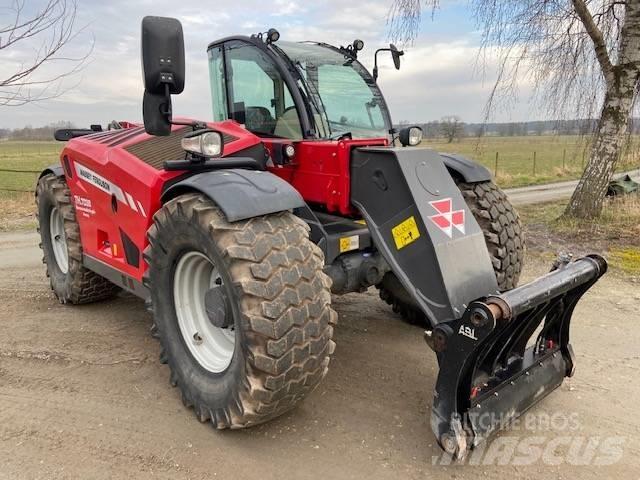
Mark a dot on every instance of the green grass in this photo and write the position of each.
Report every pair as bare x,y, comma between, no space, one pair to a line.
32,156
616,232
17,208
515,157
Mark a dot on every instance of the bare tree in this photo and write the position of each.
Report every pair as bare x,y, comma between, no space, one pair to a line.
451,127
42,35
582,55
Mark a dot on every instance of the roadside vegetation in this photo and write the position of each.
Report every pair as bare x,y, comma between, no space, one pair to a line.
616,233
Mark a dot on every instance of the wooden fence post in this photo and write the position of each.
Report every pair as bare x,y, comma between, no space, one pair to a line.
495,172
534,163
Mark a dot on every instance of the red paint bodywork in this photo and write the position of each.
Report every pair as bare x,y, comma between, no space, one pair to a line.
319,170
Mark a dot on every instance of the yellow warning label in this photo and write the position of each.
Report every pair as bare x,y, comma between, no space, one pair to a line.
406,232
349,243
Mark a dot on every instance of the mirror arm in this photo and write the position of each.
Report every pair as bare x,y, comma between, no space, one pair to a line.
168,113
375,61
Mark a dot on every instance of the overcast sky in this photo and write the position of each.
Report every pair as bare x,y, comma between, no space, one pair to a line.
437,77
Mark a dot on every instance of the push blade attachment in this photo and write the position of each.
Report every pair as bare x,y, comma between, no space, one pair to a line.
505,354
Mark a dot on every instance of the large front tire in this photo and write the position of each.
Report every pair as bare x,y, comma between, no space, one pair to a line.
503,236
273,300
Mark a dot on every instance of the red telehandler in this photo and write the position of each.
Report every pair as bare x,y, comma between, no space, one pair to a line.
237,231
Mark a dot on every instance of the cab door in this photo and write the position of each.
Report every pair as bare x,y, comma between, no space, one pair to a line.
247,86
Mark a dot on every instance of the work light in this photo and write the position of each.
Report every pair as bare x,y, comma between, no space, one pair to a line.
203,143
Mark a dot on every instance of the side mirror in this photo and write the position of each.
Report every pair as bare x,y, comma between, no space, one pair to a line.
396,54
162,71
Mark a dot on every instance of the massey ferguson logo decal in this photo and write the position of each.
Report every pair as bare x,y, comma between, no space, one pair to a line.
447,219
109,187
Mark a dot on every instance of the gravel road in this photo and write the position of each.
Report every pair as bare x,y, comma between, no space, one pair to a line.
83,396
551,191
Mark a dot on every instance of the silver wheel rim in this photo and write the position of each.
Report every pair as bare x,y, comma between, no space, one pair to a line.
211,346
58,240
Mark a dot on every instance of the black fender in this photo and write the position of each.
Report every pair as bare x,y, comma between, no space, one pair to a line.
55,169
239,193
462,168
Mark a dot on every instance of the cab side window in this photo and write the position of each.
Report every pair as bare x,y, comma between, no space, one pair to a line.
257,94
218,87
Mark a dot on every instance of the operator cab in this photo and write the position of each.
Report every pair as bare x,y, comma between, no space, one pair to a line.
295,91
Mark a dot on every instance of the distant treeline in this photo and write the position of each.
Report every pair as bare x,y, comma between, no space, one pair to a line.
432,129
34,133
436,128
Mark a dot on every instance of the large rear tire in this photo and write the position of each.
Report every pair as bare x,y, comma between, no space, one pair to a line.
503,235
242,310
70,281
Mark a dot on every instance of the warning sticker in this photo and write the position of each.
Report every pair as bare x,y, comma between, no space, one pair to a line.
349,243
406,232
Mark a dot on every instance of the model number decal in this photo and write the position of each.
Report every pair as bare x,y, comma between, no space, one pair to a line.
84,205
109,187
405,232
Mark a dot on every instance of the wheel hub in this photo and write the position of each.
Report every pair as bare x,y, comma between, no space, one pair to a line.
201,306
215,302
58,240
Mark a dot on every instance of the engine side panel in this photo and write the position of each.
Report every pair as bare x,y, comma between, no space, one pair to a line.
116,193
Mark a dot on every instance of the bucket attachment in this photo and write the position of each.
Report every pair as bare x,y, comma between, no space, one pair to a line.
506,354
499,353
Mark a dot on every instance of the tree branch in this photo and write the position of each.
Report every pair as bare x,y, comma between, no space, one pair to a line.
36,79
597,38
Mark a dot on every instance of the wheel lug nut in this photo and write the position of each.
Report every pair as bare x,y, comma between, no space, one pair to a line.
197,339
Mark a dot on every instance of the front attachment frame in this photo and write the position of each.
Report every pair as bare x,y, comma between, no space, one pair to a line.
490,370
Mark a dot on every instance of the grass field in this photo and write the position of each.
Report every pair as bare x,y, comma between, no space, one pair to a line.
616,232
17,206
556,157
30,156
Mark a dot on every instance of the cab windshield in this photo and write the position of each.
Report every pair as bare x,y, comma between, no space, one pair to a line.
343,96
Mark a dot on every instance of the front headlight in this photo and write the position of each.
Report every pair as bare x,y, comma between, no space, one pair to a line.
203,143
410,136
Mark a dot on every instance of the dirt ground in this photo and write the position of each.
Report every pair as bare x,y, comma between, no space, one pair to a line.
82,395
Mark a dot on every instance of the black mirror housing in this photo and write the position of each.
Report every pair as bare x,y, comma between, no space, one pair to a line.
396,54
162,71
162,55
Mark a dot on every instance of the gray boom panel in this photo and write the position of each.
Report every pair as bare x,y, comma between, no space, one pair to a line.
440,256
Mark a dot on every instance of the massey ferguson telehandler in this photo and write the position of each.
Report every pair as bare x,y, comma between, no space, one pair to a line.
237,231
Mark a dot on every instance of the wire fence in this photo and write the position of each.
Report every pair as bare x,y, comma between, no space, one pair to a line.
510,168
12,189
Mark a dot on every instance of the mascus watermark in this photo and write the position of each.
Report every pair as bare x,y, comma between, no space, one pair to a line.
550,440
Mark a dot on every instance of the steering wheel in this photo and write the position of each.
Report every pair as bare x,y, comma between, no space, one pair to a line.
255,118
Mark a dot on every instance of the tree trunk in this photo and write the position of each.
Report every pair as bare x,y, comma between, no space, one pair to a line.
622,82
608,142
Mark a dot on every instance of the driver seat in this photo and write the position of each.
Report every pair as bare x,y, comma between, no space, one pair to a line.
288,125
